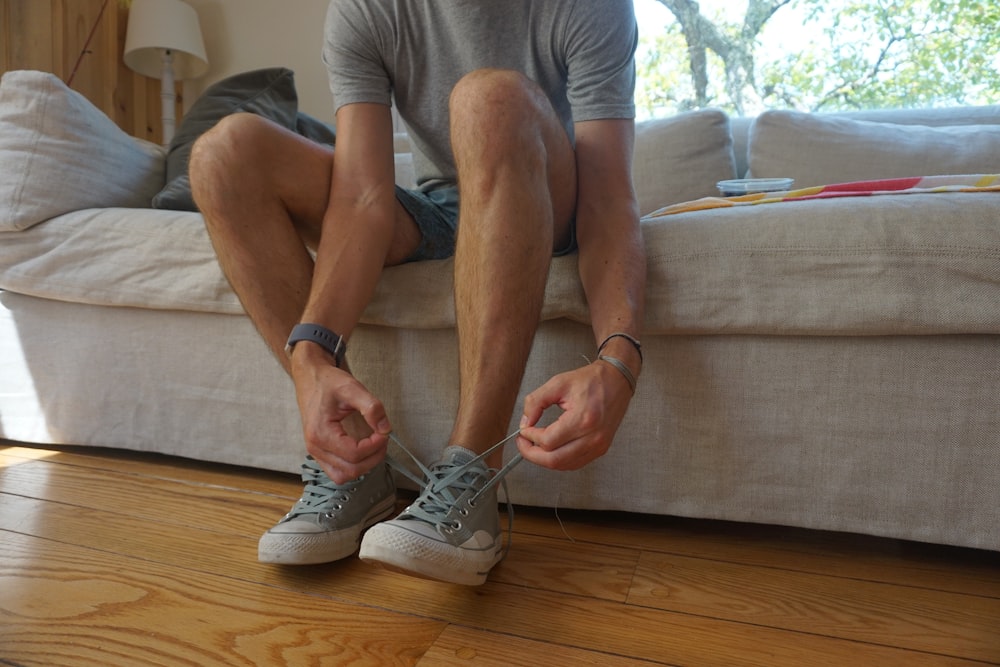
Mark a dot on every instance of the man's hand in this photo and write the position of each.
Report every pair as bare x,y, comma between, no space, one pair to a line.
593,399
612,265
345,426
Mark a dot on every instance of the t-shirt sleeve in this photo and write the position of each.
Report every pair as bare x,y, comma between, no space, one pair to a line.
600,46
351,55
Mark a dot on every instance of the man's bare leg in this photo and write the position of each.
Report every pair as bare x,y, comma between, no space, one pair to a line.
517,177
263,191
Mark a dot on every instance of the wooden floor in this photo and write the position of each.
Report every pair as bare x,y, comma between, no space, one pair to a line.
110,558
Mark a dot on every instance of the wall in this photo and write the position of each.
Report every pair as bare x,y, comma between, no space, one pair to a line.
49,35
241,35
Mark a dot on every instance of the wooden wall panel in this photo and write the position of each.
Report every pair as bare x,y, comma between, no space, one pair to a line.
27,34
49,35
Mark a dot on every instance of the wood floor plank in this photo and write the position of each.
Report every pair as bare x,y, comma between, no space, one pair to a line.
236,511
602,572
587,623
851,556
193,547
892,561
70,606
463,647
626,630
155,466
919,619
599,570
704,593
545,563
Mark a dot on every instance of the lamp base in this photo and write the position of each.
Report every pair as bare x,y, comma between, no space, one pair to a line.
168,97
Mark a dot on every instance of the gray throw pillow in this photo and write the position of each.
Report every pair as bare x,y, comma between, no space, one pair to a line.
269,93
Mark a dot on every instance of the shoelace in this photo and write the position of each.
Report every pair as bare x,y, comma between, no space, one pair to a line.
321,494
441,486
446,482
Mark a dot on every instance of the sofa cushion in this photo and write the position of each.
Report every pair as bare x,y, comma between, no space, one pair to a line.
681,158
60,153
848,266
820,150
896,264
156,259
933,116
266,92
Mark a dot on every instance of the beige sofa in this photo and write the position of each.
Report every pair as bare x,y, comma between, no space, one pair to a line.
831,364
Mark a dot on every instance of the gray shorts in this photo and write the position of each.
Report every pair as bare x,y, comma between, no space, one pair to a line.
436,215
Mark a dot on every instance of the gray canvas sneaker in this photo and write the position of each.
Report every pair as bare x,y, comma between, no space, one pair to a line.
326,523
451,532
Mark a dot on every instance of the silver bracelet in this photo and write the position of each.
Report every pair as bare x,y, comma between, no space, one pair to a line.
621,334
620,365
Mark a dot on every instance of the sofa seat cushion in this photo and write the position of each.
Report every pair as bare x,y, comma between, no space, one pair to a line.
119,257
888,265
894,264
60,153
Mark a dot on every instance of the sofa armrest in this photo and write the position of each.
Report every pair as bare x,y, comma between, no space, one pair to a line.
60,153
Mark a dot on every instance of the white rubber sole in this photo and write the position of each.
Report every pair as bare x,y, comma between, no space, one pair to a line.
317,548
399,550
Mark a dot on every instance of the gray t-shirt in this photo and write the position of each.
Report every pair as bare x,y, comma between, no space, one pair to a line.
580,52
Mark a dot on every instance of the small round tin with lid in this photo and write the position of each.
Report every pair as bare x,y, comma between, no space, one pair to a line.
749,186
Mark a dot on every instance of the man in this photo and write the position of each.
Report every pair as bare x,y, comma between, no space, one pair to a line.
524,107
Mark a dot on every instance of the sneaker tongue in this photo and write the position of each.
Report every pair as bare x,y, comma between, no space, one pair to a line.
457,456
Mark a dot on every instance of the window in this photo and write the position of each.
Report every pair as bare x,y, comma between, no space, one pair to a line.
815,55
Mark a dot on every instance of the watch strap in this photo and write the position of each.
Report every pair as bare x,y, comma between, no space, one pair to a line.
332,342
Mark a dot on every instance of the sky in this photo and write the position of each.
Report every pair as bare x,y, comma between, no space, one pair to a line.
782,34
786,32
650,14
652,17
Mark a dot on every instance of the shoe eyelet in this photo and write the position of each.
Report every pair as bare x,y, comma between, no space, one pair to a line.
463,511
456,525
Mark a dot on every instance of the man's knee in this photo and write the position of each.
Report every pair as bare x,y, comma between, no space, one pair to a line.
501,118
490,81
499,94
222,159
499,114
224,151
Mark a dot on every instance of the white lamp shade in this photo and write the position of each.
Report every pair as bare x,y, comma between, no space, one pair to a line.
158,25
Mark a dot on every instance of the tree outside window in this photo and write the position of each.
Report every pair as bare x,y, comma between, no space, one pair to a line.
816,55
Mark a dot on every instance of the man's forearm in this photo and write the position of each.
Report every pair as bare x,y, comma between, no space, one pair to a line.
349,261
613,273
359,223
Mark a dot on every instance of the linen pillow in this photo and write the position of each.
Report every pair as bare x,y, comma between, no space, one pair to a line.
681,158
60,153
266,92
820,150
